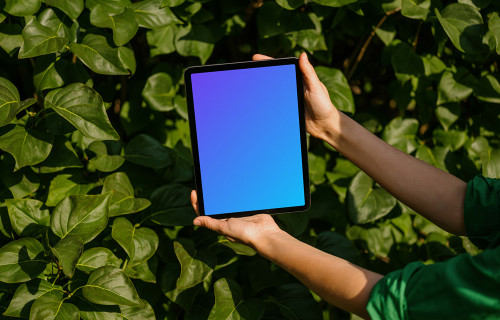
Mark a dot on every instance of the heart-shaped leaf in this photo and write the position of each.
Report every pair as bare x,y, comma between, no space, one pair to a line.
123,25
40,40
83,107
122,198
22,8
196,266
338,88
415,9
195,40
151,14
27,216
454,87
139,243
161,40
81,215
102,161
21,260
109,286
95,258
68,250
159,92
447,114
401,133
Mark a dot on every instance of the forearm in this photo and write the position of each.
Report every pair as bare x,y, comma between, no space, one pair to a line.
336,280
435,194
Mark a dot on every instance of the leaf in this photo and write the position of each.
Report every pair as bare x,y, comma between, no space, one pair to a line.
454,87
338,88
72,8
50,306
171,206
145,271
144,312
487,89
26,216
102,161
311,39
68,250
62,156
83,107
151,14
452,138
415,9
296,302
464,26
159,92
144,150
406,62
229,303
334,3
21,260
20,183
161,40
290,4
95,258
40,40
109,286
81,215
378,240
435,156
123,25
97,54
183,297
365,202
271,20
238,248
27,146
139,243
21,8
10,37
401,133
448,114
338,245
196,266
26,294
317,168
92,311
122,198
195,40
494,26
64,185
10,102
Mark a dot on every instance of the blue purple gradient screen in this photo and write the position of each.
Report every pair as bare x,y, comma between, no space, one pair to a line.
247,125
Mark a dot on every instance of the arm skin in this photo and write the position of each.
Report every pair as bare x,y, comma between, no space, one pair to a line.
433,193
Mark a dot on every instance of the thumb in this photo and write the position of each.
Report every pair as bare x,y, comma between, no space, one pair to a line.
311,79
209,223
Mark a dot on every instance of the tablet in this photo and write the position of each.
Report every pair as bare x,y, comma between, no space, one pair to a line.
248,137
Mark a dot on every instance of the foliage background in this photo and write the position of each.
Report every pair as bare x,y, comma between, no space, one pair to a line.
96,168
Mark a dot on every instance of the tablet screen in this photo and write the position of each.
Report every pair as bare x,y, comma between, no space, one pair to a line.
248,133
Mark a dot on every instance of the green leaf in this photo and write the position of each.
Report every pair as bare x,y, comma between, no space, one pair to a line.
40,40
64,185
83,107
27,146
150,14
317,168
92,311
122,195
401,133
296,302
72,8
20,183
95,258
494,26
27,216
452,138
406,62
123,25
159,92
161,40
195,40
21,260
488,89
196,266
81,215
229,303
68,250
102,161
448,114
271,20
415,9
147,152
334,3
171,206
58,23
464,26
50,306
172,3
238,248
183,297
62,156
10,37
97,54
490,158
435,156
378,240
290,4
21,8
26,294
366,202
145,271
338,245
338,88
109,286
454,87
10,102
311,39
143,312
139,243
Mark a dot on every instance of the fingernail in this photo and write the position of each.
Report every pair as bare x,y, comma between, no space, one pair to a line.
197,222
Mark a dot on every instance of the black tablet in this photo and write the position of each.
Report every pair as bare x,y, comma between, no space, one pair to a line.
248,137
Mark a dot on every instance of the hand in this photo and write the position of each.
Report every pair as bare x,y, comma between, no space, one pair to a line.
253,231
320,112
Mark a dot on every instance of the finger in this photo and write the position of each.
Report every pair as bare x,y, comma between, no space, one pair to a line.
210,223
194,201
310,77
258,56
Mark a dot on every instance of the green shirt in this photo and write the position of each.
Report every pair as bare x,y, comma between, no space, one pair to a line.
463,287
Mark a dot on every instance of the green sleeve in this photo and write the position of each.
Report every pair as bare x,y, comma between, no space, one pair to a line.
482,212
464,287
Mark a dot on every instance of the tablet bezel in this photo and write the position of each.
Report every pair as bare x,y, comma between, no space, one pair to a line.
194,138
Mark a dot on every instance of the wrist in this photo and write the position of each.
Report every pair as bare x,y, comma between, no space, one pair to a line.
268,244
331,129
